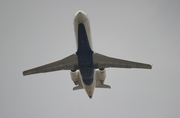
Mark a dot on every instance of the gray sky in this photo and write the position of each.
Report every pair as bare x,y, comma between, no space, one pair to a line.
36,32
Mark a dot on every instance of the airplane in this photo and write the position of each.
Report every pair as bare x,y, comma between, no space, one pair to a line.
87,68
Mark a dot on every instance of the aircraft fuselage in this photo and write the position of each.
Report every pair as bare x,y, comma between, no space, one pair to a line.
84,51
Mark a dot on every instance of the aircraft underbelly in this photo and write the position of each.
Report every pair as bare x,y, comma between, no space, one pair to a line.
84,53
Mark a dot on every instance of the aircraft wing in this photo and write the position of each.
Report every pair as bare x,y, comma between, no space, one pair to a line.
102,61
68,63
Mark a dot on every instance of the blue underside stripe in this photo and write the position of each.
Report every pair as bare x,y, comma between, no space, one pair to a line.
84,54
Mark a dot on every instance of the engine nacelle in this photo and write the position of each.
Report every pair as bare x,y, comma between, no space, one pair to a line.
75,76
100,74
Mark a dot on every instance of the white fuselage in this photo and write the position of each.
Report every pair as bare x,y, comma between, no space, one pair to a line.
81,17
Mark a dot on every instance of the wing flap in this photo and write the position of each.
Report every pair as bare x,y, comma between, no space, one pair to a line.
68,63
102,61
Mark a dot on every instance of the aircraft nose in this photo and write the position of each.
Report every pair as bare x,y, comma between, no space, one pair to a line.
79,12
80,16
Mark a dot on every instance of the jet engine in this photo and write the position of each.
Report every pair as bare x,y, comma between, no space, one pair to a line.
100,75
75,76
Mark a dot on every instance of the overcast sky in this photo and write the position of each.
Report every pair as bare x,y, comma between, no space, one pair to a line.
36,32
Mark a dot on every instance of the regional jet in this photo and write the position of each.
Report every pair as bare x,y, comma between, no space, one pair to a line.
87,68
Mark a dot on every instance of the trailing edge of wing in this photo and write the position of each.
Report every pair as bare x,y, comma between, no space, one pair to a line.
68,63
102,61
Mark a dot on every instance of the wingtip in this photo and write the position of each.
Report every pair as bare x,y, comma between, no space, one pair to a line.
24,73
151,66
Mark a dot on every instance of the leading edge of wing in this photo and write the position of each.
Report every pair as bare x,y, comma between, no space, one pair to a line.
68,63
102,61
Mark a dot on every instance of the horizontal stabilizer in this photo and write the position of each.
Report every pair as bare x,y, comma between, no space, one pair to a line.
103,86
78,87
